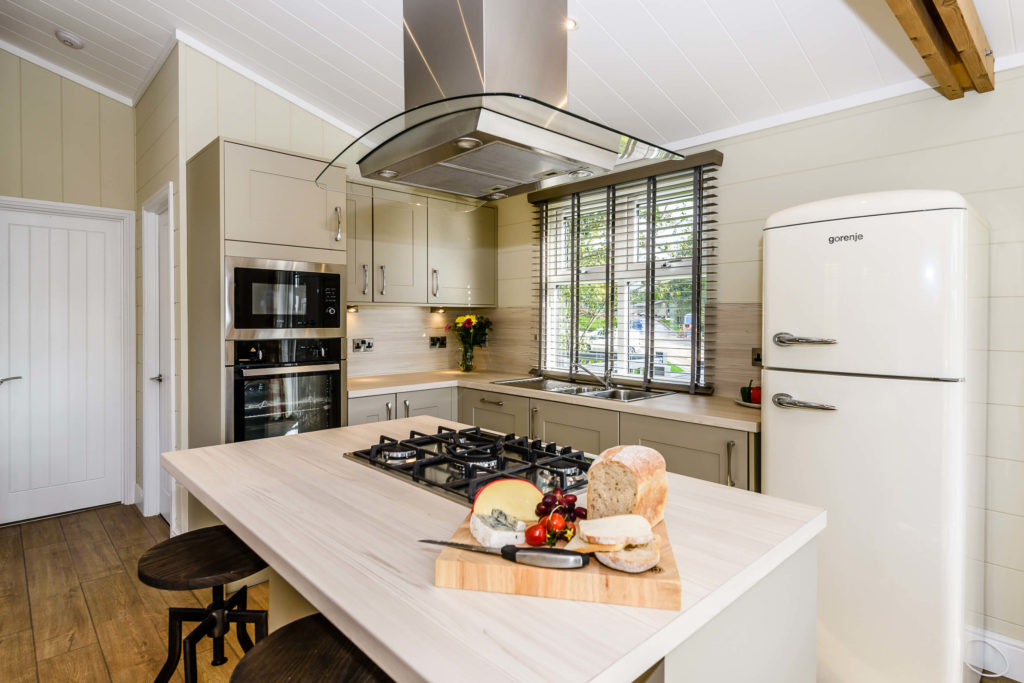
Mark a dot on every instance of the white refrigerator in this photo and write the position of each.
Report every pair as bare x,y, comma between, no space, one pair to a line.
874,387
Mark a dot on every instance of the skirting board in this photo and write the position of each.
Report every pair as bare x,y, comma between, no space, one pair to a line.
138,497
996,653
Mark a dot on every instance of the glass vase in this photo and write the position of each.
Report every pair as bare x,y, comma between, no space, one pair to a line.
466,364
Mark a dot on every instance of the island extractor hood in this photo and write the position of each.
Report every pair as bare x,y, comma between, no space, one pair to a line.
486,83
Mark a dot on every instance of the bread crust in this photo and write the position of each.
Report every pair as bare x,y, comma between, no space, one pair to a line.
648,466
632,560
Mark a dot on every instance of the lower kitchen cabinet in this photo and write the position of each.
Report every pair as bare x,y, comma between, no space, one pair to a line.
495,412
587,429
710,453
382,407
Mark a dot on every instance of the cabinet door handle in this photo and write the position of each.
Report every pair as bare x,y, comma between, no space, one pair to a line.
728,463
493,403
436,283
406,402
533,422
383,280
337,213
388,406
366,278
9,379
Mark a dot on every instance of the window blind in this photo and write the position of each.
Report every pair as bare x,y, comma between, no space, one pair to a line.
627,282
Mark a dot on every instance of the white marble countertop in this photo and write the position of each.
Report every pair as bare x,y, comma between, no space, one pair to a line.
716,411
344,535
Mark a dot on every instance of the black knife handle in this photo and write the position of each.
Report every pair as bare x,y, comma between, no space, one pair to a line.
549,558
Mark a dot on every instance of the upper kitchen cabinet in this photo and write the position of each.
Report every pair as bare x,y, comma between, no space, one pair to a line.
461,248
359,217
399,248
270,197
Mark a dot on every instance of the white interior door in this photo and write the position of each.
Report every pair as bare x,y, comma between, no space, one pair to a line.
166,407
62,423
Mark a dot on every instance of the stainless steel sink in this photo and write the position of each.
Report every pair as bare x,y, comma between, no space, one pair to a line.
624,395
539,384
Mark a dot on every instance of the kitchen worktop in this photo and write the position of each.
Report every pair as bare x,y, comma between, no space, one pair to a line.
344,534
716,411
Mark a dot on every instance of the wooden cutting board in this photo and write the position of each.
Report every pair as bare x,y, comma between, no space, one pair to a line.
659,587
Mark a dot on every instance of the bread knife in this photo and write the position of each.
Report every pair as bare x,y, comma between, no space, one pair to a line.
549,558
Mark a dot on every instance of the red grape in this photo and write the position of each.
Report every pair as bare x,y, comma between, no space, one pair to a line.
542,509
549,500
557,493
581,513
569,499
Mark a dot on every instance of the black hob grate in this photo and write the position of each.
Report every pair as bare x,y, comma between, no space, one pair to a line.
459,463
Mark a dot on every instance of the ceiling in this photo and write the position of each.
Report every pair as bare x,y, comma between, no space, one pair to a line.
675,72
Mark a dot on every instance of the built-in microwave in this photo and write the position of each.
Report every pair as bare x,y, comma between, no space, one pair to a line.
269,299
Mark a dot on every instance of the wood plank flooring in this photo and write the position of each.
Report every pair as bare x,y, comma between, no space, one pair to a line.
73,609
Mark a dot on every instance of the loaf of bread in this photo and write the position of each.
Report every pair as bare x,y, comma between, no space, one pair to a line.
633,559
627,480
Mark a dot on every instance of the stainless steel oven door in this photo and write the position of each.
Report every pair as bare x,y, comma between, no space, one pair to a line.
269,332
275,401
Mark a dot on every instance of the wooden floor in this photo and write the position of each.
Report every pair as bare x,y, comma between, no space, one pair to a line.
73,609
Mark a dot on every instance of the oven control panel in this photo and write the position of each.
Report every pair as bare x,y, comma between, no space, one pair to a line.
283,351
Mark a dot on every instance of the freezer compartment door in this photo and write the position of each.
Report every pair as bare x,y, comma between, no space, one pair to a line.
888,467
888,289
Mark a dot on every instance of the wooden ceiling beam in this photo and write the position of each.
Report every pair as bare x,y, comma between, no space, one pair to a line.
930,44
964,27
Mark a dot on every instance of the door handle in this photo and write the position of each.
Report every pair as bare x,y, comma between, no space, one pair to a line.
337,213
533,421
406,402
366,279
158,378
787,401
787,339
493,403
436,283
388,406
728,463
383,280
9,379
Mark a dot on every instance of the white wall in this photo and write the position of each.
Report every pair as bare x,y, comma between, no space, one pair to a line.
974,146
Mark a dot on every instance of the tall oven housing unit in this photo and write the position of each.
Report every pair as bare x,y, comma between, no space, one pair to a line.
874,384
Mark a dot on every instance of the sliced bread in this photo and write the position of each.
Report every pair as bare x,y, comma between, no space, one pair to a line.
618,529
627,480
581,546
633,559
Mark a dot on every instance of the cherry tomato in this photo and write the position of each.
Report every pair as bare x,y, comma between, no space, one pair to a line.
556,522
536,535
543,522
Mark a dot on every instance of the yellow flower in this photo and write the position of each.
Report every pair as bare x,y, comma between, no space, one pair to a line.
461,319
472,319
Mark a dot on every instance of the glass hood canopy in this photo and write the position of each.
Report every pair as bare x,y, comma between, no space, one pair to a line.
489,146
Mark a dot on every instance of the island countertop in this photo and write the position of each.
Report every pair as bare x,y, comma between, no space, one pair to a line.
344,535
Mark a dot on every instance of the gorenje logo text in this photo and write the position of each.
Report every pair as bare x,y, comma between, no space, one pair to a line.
846,238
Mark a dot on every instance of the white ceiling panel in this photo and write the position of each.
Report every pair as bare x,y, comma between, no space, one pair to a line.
669,71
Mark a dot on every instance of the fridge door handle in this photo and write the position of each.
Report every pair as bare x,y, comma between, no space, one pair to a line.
787,339
787,401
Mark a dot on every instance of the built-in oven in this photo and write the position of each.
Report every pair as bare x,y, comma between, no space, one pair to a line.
284,386
270,299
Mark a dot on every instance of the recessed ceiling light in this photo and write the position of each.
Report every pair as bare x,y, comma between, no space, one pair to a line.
387,173
570,24
69,39
496,195
467,143
581,173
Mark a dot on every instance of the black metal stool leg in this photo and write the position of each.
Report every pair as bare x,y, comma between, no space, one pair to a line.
175,617
205,628
238,603
242,617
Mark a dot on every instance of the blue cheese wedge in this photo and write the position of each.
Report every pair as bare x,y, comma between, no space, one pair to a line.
497,529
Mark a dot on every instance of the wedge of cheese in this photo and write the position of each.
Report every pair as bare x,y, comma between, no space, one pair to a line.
497,529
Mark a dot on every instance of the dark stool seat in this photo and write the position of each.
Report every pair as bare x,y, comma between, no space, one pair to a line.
307,650
204,558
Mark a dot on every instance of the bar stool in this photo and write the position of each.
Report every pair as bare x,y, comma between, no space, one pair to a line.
307,650
205,558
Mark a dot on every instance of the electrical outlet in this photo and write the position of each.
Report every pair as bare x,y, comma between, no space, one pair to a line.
362,345
438,342
755,356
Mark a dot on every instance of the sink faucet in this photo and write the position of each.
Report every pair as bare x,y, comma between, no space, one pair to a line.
604,381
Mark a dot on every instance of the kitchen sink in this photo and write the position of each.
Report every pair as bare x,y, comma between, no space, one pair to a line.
623,394
539,383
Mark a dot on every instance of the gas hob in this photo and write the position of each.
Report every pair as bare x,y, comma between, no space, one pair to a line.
458,463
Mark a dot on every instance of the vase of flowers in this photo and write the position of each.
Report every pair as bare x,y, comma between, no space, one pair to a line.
471,331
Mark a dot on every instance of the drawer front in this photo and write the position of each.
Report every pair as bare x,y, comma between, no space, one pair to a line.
432,402
495,412
693,450
367,409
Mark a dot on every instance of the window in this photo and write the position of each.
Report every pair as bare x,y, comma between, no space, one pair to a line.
626,273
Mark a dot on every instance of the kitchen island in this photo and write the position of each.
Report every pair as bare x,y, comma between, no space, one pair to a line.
344,536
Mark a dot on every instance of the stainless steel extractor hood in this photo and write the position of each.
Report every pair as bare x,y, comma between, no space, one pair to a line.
486,83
